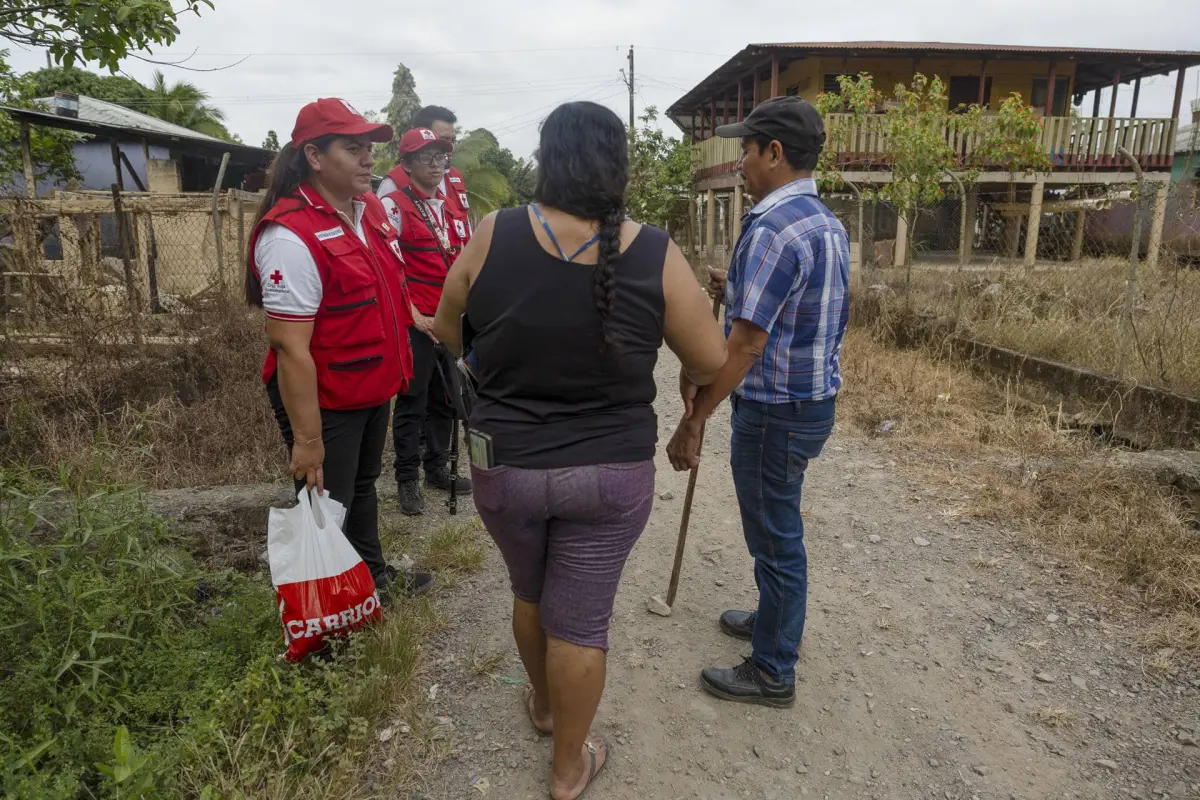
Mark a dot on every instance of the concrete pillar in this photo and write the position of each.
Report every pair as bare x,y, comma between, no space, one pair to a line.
1035,222
710,224
971,209
1157,219
1080,228
739,200
900,258
1012,227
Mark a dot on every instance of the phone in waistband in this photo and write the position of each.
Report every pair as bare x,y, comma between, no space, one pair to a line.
482,454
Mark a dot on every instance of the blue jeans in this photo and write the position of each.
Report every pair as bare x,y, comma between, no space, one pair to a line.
771,448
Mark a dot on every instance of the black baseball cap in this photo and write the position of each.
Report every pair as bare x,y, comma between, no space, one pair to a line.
792,121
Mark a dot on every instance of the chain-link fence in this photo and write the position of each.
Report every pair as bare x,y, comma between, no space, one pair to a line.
1053,274
113,305
1043,270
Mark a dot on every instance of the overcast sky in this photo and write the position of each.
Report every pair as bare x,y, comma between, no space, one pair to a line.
505,64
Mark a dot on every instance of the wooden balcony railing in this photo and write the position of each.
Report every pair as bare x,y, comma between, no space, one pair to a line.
1072,143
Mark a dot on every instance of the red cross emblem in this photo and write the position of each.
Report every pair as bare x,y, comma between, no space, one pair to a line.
276,277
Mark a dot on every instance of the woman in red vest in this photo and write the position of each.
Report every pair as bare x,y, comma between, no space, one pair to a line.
325,264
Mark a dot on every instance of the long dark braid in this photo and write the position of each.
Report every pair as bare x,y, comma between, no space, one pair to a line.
605,273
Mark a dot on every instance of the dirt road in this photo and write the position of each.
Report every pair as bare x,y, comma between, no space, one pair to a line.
944,658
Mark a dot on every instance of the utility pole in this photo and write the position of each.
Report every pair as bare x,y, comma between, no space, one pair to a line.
629,81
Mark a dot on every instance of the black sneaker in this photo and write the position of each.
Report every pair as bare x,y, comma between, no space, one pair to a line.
395,583
739,624
412,503
746,684
439,478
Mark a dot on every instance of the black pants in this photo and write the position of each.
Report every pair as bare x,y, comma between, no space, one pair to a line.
424,406
353,460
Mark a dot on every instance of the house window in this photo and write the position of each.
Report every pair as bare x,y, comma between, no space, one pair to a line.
831,82
1038,98
964,91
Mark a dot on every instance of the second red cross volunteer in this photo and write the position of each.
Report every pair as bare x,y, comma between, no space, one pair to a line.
432,233
441,121
326,265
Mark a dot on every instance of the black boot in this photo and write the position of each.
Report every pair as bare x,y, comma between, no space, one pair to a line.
439,478
747,684
394,583
412,503
739,624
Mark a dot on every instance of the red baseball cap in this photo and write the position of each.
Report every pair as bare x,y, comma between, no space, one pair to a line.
419,139
332,115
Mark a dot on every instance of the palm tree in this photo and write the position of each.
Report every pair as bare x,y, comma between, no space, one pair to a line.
186,105
475,157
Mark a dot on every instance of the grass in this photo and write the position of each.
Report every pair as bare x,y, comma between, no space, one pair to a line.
1073,313
127,671
1007,460
196,416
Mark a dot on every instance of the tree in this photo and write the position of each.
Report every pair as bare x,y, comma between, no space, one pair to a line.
51,148
103,31
524,181
399,111
660,171
111,88
477,157
271,142
186,105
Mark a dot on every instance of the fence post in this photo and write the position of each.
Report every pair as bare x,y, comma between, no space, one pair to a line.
135,303
1127,329
1080,228
1158,219
710,225
858,234
216,219
1035,221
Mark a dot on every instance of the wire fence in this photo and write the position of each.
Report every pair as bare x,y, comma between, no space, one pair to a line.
1048,272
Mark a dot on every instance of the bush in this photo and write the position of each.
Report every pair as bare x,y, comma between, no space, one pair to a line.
126,671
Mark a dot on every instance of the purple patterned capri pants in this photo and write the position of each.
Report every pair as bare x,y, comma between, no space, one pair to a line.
565,535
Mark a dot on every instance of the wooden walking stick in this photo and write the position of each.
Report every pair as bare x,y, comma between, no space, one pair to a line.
657,605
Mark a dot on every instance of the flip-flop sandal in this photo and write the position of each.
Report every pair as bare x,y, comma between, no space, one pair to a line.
528,699
593,771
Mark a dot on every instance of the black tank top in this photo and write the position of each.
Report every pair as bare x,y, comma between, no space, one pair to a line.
548,396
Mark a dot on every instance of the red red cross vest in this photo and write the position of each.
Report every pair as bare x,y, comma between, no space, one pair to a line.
360,333
426,256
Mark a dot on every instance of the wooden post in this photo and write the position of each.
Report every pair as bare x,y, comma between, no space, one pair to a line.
693,236
710,224
900,258
1137,90
713,114
1050,88
739,200
774,76
725,108
241,225
741,101
135,303
982,82
1157,220
27,161
1178,93
1035,222
756,89
1080,229
1112,103
216,220
1096,103
152,256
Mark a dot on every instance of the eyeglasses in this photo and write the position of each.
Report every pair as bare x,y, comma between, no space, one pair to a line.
429,159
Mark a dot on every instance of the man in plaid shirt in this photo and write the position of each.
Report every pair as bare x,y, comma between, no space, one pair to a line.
786,308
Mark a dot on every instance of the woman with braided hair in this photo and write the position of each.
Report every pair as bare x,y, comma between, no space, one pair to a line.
567,303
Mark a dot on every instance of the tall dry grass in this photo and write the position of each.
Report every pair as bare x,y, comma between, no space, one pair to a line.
1058,485
1073,313
195,415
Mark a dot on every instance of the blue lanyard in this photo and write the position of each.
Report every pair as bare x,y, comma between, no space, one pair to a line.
562,253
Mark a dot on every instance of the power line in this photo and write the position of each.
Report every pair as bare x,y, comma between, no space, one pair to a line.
407,53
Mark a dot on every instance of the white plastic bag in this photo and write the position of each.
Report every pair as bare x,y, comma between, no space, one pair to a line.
322,585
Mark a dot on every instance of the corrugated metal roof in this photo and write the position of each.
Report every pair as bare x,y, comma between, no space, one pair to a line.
977,47
105,113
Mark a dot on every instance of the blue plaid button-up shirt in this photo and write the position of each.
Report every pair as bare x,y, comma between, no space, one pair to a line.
789,276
